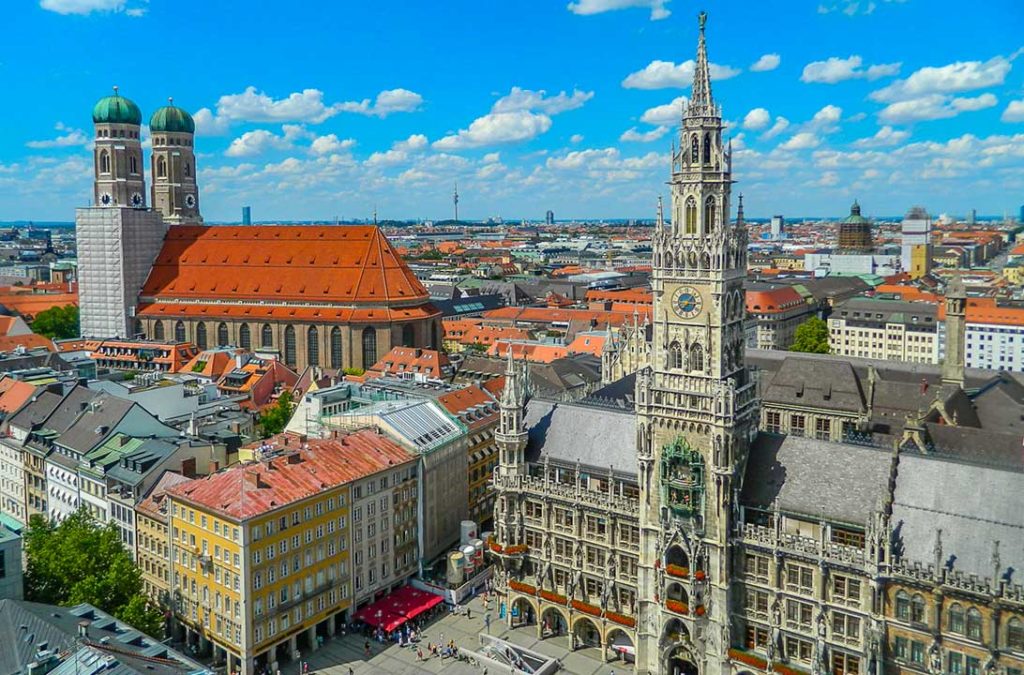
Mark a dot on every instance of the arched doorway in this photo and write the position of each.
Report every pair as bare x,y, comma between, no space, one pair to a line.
619,647
680,661
553,623
522,613
585,634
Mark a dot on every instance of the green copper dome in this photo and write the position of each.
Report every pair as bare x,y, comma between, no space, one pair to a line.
116,109
173,119
855,216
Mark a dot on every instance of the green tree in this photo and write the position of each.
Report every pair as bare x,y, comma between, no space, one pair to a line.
79,560
275,418
811,336
57,323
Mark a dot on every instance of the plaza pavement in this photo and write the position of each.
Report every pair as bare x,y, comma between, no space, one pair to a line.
339,654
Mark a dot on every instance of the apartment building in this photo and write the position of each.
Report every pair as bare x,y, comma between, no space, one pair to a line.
891,330
260,552
153,554
773,315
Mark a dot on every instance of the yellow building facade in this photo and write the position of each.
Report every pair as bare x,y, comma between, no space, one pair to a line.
260,568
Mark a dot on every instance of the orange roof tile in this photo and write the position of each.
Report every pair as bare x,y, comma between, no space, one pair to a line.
399,360
30,304
587,343
774,300
350,264
288,313
531,351
29,341
15,394
302,470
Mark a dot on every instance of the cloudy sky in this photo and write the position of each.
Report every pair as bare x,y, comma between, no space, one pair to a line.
313,109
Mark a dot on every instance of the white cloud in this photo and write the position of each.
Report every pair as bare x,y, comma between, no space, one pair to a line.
669,113
256,106
885,136
666,74
766,63
539,101
825,120
933,107
852,7
781,124
399,153
584,7
330,144
72,137
82,7
1014,112
306,106
256,142
575,139
950,79
208,124
387,102
634,136
828,179
491,157
801,141
835,69
494,128
758,118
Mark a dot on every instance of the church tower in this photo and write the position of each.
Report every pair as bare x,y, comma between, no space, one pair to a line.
118,237
175,192
119,179
696,403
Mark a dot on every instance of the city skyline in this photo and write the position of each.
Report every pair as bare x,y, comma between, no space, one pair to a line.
391,120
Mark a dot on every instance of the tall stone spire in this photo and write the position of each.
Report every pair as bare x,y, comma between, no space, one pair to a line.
701,102
511,435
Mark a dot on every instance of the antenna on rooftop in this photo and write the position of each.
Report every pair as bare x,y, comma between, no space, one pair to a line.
455,201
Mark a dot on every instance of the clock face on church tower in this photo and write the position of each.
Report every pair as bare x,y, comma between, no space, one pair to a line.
190,201
687,302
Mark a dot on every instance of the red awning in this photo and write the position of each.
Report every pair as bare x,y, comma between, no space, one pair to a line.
397,607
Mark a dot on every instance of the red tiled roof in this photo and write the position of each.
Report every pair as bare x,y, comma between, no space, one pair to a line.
774,300
531,351
270,313
429,362
244,491
587,343
351,264
553,315
14,393
28,341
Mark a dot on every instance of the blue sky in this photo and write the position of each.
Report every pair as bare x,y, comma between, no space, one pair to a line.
315,108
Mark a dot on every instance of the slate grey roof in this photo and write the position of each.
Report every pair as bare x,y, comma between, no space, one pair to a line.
94,423
972,505
979,446
24,626
598,437
819,479
36,410
814,383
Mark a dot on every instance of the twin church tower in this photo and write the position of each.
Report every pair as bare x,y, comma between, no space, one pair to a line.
120,235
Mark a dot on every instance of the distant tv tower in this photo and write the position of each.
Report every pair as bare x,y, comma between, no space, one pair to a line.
455,201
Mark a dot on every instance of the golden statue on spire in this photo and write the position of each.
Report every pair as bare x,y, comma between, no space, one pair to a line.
703,19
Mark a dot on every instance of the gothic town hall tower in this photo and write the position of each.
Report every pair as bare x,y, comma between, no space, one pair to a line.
696,403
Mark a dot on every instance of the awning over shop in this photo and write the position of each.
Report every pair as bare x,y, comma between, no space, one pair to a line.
397,607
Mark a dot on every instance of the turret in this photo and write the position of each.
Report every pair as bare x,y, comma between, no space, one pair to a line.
119,180
511,436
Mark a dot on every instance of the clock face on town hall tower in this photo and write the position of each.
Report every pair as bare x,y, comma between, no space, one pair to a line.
686,302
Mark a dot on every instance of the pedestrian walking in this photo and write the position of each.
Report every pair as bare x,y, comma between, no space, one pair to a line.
487,621
469,613
419,653
366,648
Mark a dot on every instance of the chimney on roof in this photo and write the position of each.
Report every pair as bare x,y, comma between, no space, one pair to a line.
214,466
83,628
285,440
252,479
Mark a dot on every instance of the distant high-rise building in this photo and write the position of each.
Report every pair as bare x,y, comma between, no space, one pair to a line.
855,232
972,217
549,217
916,254
777,227
246,215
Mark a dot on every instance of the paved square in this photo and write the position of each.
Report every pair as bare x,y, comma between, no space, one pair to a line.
339,654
